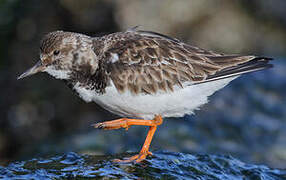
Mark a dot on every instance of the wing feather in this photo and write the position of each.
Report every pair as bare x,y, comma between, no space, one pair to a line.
149,62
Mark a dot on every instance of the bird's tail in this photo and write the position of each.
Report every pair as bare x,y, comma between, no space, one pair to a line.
248,64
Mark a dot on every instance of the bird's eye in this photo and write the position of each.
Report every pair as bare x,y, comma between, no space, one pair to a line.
56,52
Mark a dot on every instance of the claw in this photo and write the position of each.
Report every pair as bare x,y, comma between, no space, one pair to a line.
136,158
98,125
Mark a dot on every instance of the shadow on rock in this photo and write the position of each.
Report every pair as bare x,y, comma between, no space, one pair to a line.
161,164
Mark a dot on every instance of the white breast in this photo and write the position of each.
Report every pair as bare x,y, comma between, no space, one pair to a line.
57,73
176,104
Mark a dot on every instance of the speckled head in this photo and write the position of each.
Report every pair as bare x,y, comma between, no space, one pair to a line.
62,52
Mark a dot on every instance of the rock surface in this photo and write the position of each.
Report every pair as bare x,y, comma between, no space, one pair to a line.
162,164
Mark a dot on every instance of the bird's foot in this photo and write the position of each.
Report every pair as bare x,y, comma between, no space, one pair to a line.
126,123
136,158
114,124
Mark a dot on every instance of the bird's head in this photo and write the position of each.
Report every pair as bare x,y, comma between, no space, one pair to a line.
61,53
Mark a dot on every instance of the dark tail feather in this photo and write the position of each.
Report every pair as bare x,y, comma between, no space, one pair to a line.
256,64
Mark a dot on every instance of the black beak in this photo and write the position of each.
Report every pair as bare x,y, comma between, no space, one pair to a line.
33,70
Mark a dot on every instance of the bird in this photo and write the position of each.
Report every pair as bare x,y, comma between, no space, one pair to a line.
141,76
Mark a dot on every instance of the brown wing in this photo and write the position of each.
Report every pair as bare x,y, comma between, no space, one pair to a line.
146,62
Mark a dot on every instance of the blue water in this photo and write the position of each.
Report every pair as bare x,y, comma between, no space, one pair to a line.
168,165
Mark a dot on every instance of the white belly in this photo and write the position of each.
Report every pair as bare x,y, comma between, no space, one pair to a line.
176,104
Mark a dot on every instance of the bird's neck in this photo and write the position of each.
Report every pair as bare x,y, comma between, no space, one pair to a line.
96,82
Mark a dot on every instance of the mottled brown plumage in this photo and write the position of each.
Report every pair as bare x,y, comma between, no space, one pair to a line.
148,62
138,61
139,74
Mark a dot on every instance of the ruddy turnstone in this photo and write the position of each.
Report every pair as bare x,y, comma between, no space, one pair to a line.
139,74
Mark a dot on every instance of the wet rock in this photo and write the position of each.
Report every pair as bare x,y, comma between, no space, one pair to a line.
162,164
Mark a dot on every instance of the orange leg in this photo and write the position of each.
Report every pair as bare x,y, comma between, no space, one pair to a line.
126,123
